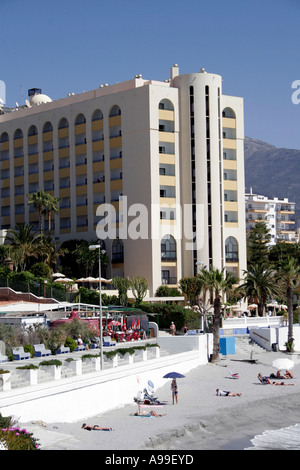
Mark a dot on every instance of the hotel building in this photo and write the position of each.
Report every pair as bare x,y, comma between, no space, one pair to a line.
167,156
278,215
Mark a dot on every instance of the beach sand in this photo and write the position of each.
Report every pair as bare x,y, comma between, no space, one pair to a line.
200,421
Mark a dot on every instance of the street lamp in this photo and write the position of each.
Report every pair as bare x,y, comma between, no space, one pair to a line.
98,247
200,265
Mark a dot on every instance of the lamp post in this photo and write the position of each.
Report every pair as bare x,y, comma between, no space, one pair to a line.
200,265
98,247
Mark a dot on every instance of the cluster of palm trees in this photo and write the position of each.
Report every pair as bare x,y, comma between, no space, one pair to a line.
44,203
25,244
272,273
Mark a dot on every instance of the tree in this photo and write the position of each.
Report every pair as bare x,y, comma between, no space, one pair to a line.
258,243
166,291
122,284
24,244
289,273
191,287
218,284
139,286
39,200
51,204
49,252
260,285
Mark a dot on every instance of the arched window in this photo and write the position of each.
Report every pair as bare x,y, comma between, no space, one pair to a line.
32,131
4,137
97,115
80,119
168,248
228,113
63,123
231,249
47,127
115,111
117,251
18,134
166,104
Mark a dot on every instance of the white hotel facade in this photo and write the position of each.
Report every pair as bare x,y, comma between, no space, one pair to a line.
167,156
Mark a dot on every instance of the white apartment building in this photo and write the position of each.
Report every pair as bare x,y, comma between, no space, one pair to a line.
278,215
154,169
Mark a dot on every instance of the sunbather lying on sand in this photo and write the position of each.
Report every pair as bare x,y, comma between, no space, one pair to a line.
288,375
223,393
148,414
95,427
265,380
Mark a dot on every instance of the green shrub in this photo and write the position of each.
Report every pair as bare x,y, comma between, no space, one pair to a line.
40,270
29,348
28,366
51,362
71,343
88,356
6,421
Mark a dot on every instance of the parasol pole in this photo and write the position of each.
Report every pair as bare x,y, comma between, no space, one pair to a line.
94,247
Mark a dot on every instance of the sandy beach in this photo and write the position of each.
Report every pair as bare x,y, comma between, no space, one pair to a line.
200,421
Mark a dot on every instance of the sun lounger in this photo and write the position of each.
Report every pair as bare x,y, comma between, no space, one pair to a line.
80,347
63,350
39,350
107,341
20,354
3,358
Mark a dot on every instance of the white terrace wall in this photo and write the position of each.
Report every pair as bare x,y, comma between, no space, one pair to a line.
266,337
84,396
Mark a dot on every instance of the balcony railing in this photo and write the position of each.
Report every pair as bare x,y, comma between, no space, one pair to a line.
169,280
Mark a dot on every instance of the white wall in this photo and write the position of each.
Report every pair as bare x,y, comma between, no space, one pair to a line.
265,337
81,397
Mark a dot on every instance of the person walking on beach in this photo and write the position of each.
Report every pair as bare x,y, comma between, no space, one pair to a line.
174,389
172,328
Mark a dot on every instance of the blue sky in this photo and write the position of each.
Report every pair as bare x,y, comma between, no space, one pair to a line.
73,46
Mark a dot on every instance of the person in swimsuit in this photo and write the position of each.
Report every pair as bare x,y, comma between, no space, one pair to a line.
288,375
265,380
223,393
147,414
174,389
95,427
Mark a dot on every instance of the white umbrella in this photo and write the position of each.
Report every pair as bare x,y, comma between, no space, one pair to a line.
57,275
64,279
90,279
283,363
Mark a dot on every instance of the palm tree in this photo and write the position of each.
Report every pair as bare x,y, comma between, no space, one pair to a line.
48,251
23,244
289,273
50,205
218,283
204,280
39,201
260,284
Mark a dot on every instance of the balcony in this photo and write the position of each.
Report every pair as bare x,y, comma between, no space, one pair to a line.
169,281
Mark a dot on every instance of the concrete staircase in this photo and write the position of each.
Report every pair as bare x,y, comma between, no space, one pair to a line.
245,346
